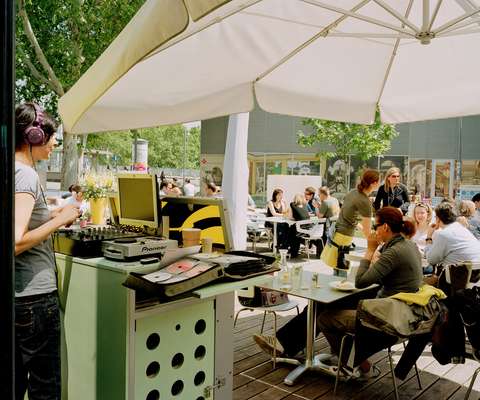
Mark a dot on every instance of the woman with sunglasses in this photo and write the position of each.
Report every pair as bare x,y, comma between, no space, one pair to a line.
392,192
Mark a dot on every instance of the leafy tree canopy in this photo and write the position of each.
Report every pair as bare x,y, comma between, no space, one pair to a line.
57,41
364,141
165,146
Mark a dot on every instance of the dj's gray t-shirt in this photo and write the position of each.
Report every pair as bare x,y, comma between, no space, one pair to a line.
355,206
34,268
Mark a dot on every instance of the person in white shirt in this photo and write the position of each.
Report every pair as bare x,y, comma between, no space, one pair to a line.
448,241
422,215
188,188
76,198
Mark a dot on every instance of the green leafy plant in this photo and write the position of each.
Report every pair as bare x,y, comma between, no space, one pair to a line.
86,215
344,139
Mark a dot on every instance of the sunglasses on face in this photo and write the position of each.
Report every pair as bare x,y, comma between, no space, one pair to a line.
394,176
377,225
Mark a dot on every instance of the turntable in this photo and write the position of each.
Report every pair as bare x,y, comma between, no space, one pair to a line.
130,248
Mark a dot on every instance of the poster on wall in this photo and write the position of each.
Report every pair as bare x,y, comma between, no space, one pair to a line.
211,168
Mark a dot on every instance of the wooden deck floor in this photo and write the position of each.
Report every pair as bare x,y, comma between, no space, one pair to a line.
255,379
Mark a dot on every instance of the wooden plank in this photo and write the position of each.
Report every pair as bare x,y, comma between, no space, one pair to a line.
442,389
240,380
272,393
460,394
383,389
249,390
250,362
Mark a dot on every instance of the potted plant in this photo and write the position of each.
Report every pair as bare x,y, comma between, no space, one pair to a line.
95,190
84,218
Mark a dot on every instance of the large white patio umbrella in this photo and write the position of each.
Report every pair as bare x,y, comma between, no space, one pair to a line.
180,61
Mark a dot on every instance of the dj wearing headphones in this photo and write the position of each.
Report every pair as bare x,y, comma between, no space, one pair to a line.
37,318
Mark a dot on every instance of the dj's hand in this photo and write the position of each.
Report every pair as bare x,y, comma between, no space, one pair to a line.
69,214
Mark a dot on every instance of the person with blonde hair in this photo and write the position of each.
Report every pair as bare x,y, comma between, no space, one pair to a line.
469,218
422,214
392,192
298,212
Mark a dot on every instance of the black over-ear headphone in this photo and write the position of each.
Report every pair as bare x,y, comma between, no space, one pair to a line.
34,134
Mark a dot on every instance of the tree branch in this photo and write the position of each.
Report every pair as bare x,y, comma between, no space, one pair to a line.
35,72
38,50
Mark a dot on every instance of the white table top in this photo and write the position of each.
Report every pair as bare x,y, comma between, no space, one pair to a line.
323,293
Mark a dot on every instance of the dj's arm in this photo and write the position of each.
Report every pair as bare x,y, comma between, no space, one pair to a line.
25,239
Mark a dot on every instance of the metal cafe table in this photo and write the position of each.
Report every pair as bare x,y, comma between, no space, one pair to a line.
321,293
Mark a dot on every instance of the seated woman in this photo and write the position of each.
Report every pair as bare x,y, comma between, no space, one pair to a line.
398,269
299,212
469,218
276,207
422,215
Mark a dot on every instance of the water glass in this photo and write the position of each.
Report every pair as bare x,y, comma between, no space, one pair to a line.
297,276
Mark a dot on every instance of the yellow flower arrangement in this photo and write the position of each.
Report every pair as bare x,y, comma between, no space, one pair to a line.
96,186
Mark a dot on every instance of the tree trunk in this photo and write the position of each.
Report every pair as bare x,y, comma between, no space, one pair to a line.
81,154
69,161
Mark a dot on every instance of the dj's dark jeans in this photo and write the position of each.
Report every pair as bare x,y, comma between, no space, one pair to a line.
37,347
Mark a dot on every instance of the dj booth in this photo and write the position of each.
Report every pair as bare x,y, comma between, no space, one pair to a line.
122,344
117,347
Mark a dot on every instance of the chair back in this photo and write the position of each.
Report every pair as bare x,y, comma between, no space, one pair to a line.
311,228
458,276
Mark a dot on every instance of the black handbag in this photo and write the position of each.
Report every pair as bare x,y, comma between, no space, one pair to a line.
467,301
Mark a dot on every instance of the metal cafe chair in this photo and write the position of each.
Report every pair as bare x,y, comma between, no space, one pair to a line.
309,230
343,347
290,305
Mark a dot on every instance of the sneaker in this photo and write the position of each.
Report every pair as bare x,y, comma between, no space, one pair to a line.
269,344
327,359
361,376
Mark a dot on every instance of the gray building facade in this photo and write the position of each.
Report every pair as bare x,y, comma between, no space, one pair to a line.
437,158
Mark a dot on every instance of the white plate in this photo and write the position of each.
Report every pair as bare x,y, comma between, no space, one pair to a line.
206,256
344,286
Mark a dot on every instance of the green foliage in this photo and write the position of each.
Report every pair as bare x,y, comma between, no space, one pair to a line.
165,146
72,34
364,141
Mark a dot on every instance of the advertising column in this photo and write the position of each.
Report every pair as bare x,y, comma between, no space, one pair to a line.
140,155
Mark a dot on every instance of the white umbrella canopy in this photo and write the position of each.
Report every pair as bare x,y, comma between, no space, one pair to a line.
333,59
